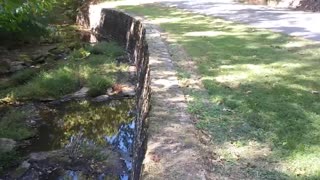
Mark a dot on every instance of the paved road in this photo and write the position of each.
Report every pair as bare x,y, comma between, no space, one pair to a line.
295,23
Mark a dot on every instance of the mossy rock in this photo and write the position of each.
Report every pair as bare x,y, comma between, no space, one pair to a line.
25,58
13,124
4,67
62,48
7,145
74,45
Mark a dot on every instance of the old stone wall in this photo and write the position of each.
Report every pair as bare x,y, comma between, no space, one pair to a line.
130,33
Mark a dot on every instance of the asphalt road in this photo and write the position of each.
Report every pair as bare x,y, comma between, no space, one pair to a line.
295,23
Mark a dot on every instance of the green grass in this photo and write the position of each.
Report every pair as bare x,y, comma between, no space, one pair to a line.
18,78
82,68
8,159
98,85
106,48
23,76
259,85
13,125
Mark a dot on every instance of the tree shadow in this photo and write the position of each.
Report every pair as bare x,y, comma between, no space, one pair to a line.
295,23
259,83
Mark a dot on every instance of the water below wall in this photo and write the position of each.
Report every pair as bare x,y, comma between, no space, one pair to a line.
81,140
67,122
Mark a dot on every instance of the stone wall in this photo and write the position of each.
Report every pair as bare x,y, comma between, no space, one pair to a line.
130,33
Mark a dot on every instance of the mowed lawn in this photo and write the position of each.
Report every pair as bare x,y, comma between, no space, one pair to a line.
263,89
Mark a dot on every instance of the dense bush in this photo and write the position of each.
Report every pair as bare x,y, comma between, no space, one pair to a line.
21,19
13,13
27,20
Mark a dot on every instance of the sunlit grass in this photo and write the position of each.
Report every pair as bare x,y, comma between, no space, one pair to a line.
262,86
93,66
111,49
13,125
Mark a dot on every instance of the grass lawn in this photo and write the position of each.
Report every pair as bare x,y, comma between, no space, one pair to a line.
263,91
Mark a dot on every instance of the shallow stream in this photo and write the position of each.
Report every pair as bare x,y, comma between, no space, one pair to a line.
82,140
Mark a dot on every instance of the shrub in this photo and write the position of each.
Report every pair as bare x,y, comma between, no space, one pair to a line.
9,159
107,48
98,85
52,84
22,76
13,13
12,125
25,20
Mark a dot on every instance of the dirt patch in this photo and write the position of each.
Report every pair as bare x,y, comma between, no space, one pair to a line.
309,5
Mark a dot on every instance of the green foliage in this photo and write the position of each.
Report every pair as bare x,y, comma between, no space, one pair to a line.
18,78
80,69
54,83
98,85
8,159
28,20
13,125
51,84
79,54
22,76
71,6
66,34
13,13
106,48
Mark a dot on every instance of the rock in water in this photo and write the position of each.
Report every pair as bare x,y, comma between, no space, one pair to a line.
4,66
128,90
7,145
81,93
101,98
16,66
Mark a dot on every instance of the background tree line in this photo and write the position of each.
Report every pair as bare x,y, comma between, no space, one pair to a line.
20,19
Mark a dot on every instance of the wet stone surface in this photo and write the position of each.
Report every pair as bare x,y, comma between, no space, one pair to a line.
21,58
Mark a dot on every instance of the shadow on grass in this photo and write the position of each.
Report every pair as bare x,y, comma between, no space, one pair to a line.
279,19
263,86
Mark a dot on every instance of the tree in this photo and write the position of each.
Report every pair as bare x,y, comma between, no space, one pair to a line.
15,13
